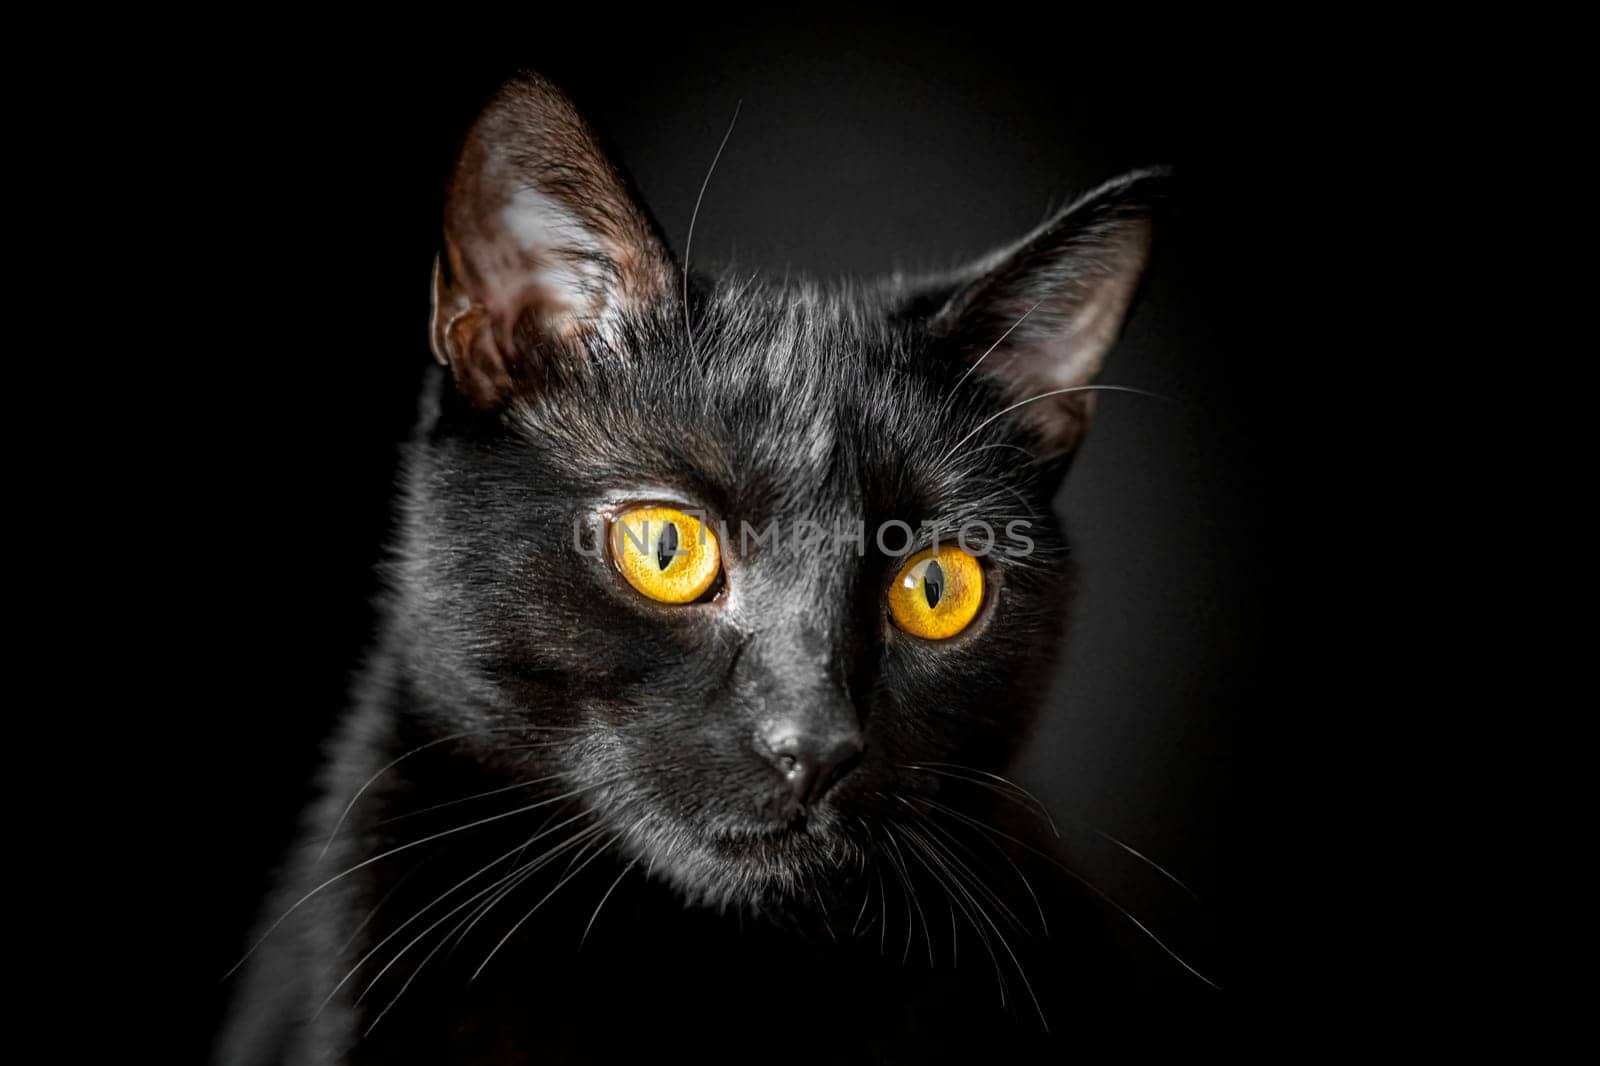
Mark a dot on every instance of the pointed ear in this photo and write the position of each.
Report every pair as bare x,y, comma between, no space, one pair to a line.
1041,316
544,246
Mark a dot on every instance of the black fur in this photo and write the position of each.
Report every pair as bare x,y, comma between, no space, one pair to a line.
516,671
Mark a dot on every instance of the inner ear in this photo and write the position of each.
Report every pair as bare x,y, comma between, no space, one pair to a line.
545,246
1040,317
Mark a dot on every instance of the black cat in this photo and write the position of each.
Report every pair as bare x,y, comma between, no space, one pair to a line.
682,736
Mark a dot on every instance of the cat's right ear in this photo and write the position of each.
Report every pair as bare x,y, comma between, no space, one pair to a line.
544,246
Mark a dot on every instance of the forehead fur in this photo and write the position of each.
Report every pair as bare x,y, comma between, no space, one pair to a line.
808,402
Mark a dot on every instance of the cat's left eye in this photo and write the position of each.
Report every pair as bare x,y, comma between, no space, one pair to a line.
937,593
667,554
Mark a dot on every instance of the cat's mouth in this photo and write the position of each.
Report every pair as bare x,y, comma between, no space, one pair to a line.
797,840
743,862
759,843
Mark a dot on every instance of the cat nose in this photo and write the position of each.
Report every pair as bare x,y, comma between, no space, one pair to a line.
809,762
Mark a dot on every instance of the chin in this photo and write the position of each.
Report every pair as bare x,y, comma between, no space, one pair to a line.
745,865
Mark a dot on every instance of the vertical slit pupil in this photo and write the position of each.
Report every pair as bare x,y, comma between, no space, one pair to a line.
666,544
933,583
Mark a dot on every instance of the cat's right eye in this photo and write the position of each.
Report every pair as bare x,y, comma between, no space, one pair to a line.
664,553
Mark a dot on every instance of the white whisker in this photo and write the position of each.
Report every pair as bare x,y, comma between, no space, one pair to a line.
404,847
542,902
688,245
625,871
438,900
1045,396
1156,865
339,824
979,362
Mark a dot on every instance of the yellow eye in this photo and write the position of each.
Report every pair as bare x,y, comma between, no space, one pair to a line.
669,556
936,596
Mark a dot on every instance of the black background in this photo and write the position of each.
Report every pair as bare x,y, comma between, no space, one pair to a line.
309,212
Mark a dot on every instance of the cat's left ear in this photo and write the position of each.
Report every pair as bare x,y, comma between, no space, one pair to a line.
545,246
1040,317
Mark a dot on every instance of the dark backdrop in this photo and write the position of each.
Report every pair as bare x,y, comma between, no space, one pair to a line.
315,204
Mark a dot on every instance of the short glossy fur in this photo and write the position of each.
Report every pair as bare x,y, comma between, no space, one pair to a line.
540,756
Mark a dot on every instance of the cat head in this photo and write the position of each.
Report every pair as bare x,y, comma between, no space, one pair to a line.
684,533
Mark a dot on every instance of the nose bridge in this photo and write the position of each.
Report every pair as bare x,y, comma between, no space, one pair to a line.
801,644
806,725
807,558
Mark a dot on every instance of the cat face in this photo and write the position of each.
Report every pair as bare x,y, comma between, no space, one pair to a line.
748,730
